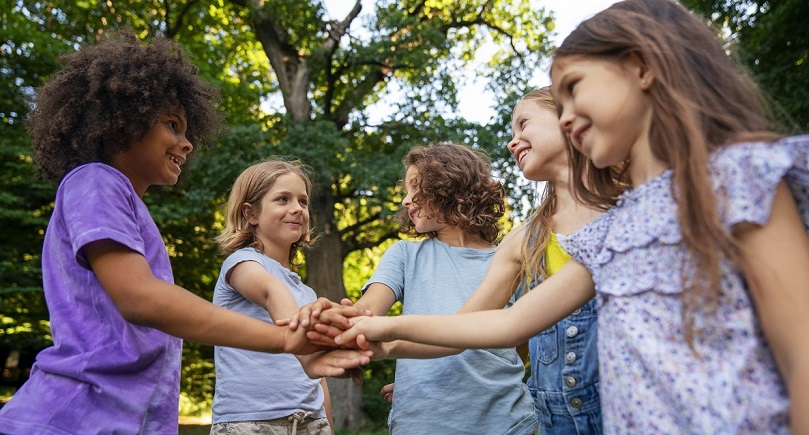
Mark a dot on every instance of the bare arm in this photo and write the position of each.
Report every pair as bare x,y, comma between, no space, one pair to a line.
775,258
263,289
549,302
145,300
493,292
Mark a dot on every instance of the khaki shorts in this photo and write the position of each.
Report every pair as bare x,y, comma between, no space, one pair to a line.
295,424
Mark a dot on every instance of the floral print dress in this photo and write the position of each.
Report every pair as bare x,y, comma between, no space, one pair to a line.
652,381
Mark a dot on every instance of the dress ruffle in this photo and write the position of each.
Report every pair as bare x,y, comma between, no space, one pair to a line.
635,246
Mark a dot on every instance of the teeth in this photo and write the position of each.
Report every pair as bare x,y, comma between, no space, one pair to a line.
175,160
521,155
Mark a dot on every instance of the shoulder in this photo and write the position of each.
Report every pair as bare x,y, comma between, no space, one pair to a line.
96,174
242,255
745,176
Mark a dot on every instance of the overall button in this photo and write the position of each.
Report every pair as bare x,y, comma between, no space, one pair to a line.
572,331
578,311
570,357
576,403
570,381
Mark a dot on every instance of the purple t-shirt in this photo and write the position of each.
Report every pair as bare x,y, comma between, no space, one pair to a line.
102,374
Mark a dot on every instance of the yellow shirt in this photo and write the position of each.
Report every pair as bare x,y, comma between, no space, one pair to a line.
555,256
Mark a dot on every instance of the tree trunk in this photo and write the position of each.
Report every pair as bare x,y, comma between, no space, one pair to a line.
324,273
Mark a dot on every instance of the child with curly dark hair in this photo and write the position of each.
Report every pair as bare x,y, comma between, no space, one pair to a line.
121,116
453,201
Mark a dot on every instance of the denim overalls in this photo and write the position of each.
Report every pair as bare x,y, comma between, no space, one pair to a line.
564,373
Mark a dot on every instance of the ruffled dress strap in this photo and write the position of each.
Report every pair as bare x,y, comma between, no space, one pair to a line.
746,175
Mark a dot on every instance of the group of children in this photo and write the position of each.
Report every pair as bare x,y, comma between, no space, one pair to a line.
670,211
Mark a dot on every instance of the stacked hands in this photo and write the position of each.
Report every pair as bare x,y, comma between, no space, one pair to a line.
345,337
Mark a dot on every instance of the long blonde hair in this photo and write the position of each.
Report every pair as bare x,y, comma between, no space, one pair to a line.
250,187
540,226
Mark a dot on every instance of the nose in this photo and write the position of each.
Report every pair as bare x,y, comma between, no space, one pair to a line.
296,207
566,121
407,200
186,145
512,144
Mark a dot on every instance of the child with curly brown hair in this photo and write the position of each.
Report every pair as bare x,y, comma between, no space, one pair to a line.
119,117
453,201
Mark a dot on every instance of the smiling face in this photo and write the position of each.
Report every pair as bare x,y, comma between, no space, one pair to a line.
604,107
282,217
422,215
537,143
157,158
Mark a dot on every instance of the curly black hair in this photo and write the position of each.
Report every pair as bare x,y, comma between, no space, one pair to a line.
457,182
110,94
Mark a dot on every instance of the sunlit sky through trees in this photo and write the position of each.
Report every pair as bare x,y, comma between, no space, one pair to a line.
475,101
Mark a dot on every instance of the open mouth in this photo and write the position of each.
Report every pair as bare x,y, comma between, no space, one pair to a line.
177,161
521,155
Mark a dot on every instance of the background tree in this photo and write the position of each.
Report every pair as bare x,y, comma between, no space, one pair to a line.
333,76
771,39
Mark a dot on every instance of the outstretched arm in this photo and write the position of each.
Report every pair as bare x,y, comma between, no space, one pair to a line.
774,258
549,302
145,300
493,292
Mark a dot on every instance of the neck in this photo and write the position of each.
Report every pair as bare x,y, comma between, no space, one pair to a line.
454,236
277,253
570,214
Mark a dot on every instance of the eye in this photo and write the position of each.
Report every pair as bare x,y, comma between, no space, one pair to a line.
282,199
173,125
304,203
571,86
522,123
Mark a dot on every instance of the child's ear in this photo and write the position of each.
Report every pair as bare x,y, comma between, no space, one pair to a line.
247,213
640,71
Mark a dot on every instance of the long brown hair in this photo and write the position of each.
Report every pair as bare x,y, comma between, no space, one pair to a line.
701,101
250,187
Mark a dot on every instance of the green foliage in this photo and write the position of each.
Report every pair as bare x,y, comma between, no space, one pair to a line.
771,40
406,52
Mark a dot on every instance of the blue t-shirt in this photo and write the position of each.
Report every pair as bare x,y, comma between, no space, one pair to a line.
102,374
252,385
479,391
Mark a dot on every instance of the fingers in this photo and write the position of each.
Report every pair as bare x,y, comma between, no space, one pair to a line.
286,322
320,339
339,315
378,348
387,392
347,336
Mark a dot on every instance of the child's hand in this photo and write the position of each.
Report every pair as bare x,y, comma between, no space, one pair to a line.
387,392
380,349
310,313
333,322
295,342
336,363
370,327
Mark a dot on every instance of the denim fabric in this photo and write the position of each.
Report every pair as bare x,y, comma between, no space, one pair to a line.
564,375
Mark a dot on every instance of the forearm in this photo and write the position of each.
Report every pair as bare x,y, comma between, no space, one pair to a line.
183,314
560,295
481,329
406,349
